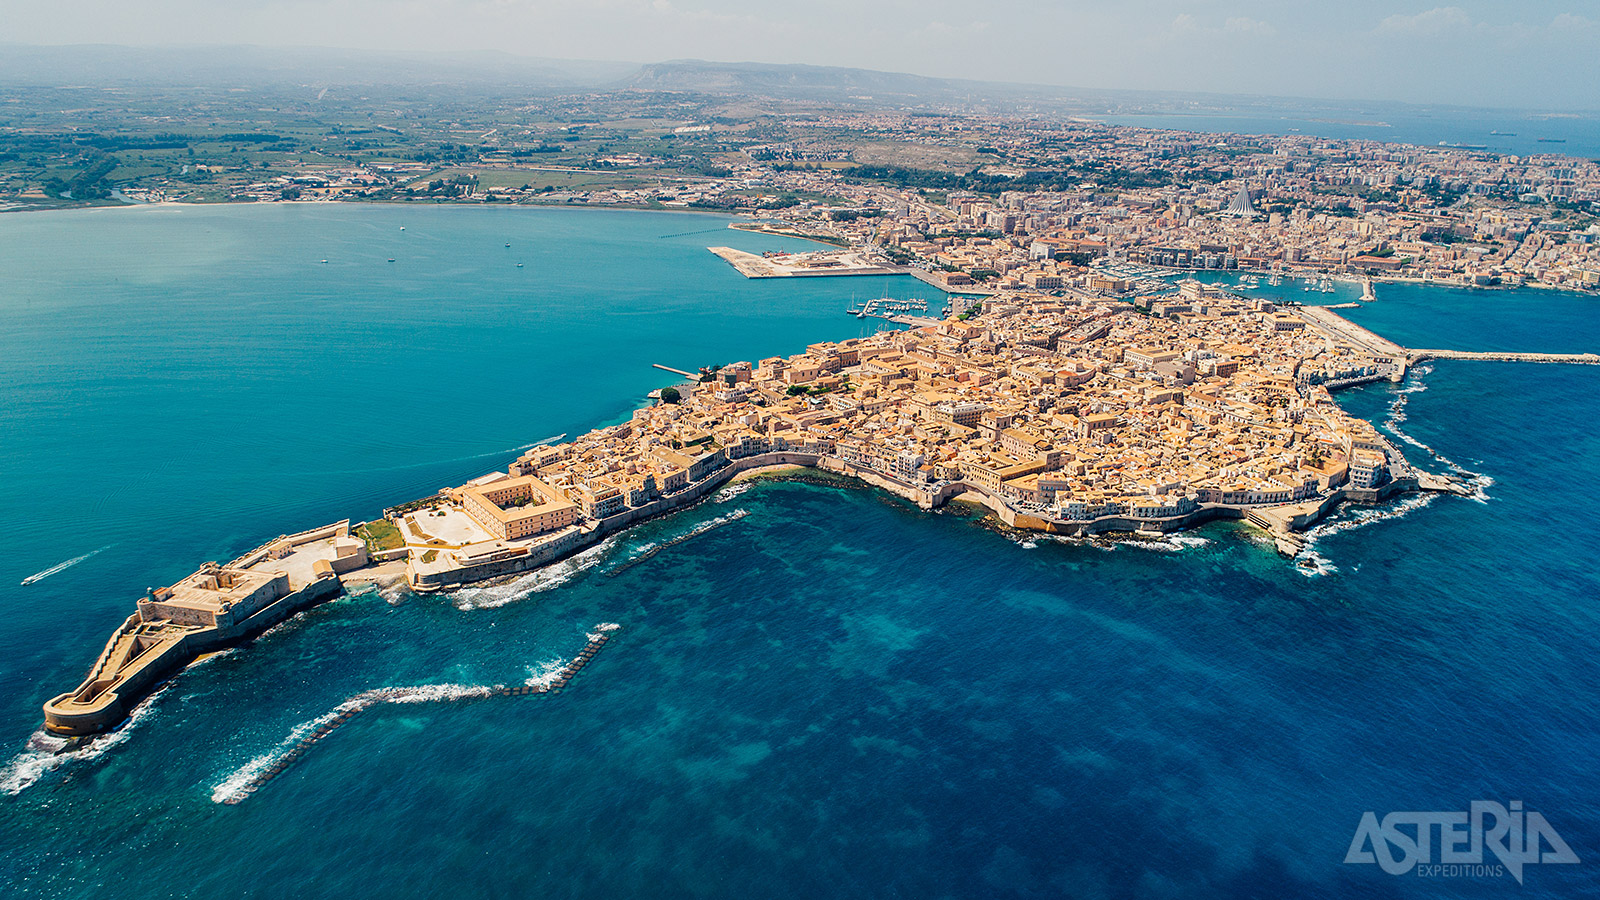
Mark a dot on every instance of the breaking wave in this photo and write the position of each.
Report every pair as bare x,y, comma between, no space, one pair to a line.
731,491
1312,564
240,783
1478,482
44,753
645,551
524,586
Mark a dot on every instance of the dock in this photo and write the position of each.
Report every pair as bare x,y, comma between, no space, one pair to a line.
1344,331
347,711
693,375
1582,359
803,265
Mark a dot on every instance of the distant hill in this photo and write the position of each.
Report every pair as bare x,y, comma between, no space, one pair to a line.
787,81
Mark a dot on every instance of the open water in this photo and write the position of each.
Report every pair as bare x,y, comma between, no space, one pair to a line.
815,689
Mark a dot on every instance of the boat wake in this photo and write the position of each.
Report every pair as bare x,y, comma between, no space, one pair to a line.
442,462
61,566
47,752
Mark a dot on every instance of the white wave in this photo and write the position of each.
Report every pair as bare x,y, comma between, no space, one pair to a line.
1477,481
1170,543
647,550
43,756
238,785
524,586
1315,564
545,674
732,491
61,566
1312,564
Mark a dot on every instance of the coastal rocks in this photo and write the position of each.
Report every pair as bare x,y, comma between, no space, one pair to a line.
253,777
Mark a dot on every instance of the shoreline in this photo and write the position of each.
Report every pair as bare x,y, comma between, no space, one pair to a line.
556,501
113,701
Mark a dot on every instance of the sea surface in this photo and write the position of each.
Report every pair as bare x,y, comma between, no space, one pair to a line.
814,689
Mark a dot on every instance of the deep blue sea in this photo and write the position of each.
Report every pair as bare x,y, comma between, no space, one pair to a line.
820,691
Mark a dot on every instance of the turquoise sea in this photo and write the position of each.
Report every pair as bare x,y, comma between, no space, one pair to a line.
815,690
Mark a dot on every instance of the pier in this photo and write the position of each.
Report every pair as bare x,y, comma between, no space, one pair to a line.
1582,359
693,375
348,710
803,265
1344,331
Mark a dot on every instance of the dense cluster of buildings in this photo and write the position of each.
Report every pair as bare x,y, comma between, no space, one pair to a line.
1064,411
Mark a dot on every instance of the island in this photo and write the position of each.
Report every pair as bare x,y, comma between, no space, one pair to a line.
1073,415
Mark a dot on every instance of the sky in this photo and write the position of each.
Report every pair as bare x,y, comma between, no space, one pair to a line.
1532,54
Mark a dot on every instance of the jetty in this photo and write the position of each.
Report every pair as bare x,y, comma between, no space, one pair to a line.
1348,333
675,371
1582,359
803,265
347,711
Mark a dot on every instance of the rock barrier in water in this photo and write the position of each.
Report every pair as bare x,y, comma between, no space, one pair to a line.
434,693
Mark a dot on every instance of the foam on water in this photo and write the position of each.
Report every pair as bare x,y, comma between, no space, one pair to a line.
237,785
1170,543
731,491
61,566
1321,565
43,754
647,550
524,586
1477,481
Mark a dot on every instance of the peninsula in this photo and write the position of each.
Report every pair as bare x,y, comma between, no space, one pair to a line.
1074,415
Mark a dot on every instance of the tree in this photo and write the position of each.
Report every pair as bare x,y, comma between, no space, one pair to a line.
670,395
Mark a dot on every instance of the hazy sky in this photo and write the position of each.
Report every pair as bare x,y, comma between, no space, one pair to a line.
1529,53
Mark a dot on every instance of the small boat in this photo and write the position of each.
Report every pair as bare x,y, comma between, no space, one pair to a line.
519,265
508,243
402,228
324,262
391,259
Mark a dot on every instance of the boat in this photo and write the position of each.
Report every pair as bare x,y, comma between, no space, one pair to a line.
508,243
324,262
402,228
1552,140
391,259
519,265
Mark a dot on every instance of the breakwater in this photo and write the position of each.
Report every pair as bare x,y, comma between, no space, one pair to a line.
255,775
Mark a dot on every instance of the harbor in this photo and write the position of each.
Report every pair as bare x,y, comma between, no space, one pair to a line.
777,264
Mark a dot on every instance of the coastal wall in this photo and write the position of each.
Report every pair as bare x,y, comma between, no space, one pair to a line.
105,698
581,538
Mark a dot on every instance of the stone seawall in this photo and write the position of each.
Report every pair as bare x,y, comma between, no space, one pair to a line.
551,551
924,497
134,688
